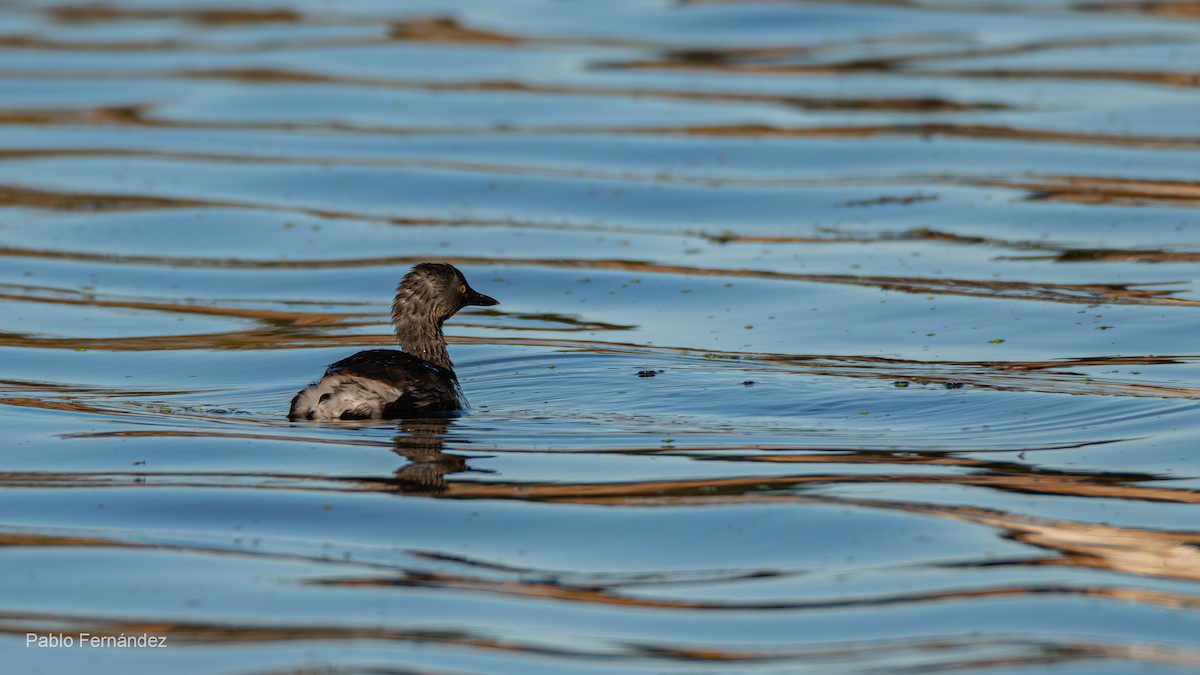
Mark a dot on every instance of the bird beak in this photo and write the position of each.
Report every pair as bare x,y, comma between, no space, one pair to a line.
476,298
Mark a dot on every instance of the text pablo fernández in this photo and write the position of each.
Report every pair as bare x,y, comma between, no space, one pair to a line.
121,641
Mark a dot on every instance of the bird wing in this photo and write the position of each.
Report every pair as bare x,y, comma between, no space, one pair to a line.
378,384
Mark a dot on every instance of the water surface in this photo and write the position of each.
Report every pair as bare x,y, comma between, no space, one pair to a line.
916,283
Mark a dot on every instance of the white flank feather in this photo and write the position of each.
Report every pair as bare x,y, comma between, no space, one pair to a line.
336,395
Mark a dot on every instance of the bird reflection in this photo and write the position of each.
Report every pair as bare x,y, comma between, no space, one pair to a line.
419,440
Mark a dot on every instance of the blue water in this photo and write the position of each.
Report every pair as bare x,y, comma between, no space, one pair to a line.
916,282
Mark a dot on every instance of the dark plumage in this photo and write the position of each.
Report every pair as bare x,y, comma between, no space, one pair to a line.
385,383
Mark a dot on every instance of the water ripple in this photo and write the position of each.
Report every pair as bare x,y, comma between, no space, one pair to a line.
834,337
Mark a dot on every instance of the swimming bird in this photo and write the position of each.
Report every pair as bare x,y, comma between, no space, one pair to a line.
386,383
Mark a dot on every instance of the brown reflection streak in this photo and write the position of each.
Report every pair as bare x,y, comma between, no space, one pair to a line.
87,13
1075,189
44,43
794,101
23,197
915,234
471,167
1188,9
1012,290
49,404
47,540
84,399
1161,78
1099,190
274,335
207,433
1102,255
1024,652
262,315
255,338
282,76
758,61
1170,8
1059,252
444,29
138,115
102,115
604,596
898,105
1074,485
11,195
922,131
38,540
1014,479
996,375
733,62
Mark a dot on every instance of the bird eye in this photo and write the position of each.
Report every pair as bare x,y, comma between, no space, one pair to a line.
462,289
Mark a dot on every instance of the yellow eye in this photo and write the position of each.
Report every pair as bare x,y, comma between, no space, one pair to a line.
462,289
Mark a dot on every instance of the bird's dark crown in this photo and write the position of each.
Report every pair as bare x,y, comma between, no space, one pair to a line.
435,290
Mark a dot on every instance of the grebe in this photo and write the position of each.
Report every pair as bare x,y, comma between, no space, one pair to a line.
385,383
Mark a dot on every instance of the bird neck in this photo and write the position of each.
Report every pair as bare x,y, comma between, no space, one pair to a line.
425,340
